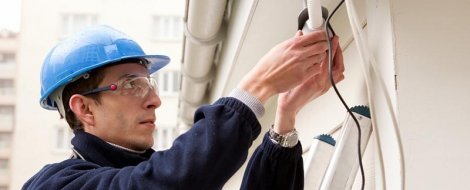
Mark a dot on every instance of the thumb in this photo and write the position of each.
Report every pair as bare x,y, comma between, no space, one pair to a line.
298,33
335,44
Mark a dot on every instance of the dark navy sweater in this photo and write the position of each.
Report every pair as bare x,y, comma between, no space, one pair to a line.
205,157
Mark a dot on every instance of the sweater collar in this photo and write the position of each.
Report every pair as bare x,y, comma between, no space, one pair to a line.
94,149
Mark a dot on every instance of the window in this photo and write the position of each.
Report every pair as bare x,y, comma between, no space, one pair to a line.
167,28
7,117
168,82
7,58
63,137
6,87
5,141
163,137
4,168
74,22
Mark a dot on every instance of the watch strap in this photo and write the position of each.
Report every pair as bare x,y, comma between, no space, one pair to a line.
287,140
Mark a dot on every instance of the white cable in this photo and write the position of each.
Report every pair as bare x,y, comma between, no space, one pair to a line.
370,62
365,56
370,100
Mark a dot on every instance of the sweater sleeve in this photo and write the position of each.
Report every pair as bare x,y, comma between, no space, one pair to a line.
205,157
274,167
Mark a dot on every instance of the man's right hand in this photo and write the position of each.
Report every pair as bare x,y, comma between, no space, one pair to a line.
286,65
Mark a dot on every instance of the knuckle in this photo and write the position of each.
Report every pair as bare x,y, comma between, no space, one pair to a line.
296,42
295,56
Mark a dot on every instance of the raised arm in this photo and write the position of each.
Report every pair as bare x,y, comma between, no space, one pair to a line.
273,166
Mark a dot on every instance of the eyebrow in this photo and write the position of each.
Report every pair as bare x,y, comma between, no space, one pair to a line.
127,76
130,76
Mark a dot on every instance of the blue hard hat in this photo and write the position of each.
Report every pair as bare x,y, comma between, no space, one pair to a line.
89,49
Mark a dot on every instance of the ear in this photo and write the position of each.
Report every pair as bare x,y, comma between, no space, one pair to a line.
81,106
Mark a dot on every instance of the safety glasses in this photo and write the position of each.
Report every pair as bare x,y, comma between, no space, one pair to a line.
135,86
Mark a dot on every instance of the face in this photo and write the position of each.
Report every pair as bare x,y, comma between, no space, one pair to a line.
123,118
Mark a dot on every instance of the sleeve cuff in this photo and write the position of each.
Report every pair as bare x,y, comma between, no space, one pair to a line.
276,151
249,100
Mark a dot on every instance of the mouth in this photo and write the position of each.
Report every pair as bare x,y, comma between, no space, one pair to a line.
148,122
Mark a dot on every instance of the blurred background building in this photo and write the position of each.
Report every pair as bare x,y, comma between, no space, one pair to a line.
8,66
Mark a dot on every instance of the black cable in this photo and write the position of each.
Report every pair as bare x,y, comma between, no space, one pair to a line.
330,73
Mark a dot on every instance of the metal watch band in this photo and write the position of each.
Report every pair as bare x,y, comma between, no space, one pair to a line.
288,140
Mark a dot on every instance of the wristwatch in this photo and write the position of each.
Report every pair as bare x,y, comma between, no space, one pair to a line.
288,140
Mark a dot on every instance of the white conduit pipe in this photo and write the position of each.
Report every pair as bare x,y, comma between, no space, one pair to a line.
315,19
314,10
203,32
370,62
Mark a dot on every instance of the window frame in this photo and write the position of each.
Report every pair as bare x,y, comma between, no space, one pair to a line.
65,137
167,28
7,88
164,136
68,22
3,125
172,85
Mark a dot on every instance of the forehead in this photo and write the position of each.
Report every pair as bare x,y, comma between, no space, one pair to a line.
124,69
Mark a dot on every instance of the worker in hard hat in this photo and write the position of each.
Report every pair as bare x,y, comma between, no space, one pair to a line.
99,81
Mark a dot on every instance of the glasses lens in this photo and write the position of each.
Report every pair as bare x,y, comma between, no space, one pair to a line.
154,85
138,86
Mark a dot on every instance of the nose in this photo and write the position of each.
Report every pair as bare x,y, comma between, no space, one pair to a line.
153,101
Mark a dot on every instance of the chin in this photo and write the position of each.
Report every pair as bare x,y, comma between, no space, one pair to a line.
145,145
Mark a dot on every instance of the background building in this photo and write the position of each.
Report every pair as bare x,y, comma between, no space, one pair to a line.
8,68
41,137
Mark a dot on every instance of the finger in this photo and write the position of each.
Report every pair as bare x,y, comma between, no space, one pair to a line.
338,78
298,33
314,59
313,69
338,65
313,37
324,61
338,61
323,73
334,44
334,47
317,48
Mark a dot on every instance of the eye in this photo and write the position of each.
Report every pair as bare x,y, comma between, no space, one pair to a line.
129,84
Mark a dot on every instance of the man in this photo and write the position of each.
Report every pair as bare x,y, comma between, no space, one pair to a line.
99,81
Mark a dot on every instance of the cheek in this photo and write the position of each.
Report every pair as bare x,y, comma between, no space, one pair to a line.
118,118
111,115
122,120
119,112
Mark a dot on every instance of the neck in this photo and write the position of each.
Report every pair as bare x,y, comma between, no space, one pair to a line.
127,149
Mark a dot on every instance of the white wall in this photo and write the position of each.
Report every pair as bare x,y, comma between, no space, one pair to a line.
424,44
432,45
421,43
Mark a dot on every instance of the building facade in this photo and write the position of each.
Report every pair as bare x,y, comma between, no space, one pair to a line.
40,136
8,66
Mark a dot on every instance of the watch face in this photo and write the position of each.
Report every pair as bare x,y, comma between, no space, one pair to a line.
291,140
288,140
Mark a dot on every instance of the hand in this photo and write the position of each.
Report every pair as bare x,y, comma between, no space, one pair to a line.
290,102
286,65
